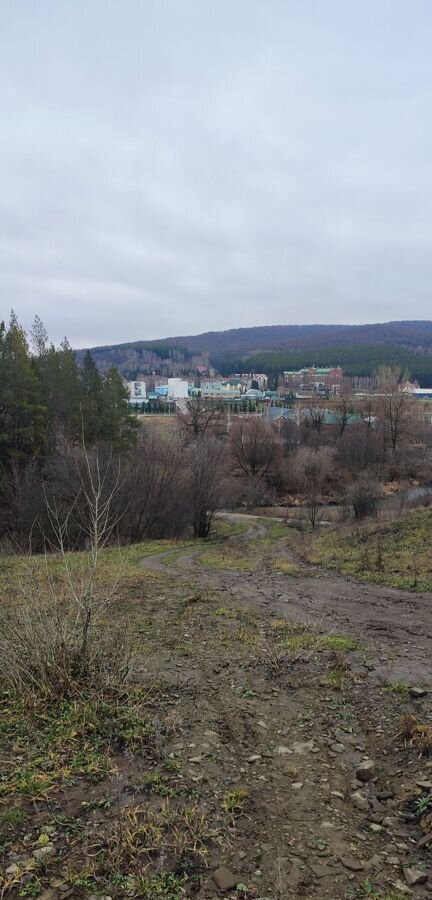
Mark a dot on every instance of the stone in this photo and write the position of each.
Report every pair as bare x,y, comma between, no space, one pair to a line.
424,785
424,841
385,795
225,879
283,751
337,748
41,854
12,870
297,785
366,770
323,871
254,758
415,876
354,865
375,827
375,862
417,692
303,747
360,801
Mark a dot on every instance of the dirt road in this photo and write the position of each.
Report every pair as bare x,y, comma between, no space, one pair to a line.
394,625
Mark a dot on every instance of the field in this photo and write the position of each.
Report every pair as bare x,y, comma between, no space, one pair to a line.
235,761
398,552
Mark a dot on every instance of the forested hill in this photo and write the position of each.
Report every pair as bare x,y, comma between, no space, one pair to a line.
356,347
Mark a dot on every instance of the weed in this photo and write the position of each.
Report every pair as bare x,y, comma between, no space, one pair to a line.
368,889
247,635
166,885
422,804
288,568
422,739
13,818
303,637
31,889
335,679
396,687
155,782
407,725
140,833
276,660
233,802
415,734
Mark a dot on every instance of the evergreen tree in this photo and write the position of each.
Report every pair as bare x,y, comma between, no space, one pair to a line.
23,413
118,423
92,400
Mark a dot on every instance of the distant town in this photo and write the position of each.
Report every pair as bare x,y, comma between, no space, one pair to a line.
247,392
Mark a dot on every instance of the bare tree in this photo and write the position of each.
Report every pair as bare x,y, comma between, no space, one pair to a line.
199,417
312,468
154,495
343,409
394,406
313,417
254,447
56,640
205,462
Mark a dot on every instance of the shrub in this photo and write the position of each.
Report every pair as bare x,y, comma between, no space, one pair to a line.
364,496
56,639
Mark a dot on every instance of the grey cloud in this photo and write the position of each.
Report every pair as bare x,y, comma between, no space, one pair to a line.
170,167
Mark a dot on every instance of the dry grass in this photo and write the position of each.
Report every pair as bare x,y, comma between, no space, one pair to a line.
140,834
415,734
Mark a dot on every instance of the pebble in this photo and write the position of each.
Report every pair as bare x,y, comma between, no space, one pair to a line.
385,795
375,827
354,865
417,692
414,876
338,748
254,758
323,871
366,770
360,801
303,747
225,879
297,785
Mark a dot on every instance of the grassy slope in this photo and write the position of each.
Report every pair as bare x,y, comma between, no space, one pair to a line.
397,553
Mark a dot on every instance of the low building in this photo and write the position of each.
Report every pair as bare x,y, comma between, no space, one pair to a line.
137,392
219,390
177,389
315,379
256,380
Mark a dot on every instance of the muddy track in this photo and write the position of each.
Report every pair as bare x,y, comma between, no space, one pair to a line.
395,626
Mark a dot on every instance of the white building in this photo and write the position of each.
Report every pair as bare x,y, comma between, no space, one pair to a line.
137,392
177,389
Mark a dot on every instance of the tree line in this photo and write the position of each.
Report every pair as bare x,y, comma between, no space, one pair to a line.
355,360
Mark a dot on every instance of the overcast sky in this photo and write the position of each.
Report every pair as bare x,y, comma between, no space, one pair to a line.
176,166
